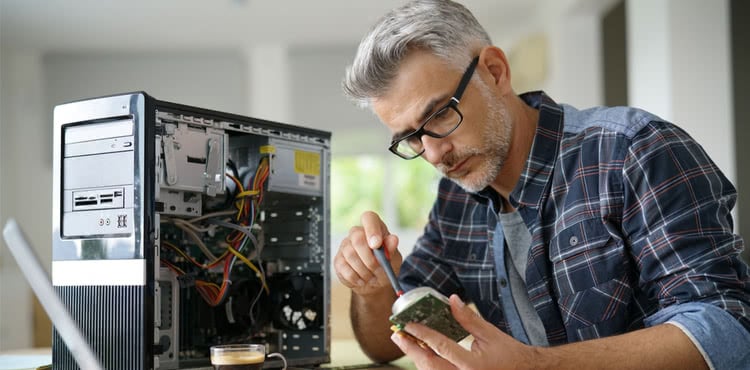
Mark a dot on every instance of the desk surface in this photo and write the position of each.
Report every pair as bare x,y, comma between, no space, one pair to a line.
345,355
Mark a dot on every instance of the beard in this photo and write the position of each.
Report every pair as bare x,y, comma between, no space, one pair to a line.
493,150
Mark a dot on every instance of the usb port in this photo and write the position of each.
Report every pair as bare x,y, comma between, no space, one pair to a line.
98,199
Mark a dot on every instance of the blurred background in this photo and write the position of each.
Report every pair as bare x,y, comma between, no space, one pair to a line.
284,60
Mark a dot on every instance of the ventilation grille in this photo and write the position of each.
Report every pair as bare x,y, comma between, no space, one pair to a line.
111,319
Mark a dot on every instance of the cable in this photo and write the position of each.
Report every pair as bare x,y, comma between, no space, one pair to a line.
252,266
190,225
210,215
191,259
244,230
246,201
197,240
172,267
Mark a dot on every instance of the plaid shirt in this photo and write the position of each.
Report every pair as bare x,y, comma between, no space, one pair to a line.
628,217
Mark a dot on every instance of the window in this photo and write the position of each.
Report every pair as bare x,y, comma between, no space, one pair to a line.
356,186
401,192
415,185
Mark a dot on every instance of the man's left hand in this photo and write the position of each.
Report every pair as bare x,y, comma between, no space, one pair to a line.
491,349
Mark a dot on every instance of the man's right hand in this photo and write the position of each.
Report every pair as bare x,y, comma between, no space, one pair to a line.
355,263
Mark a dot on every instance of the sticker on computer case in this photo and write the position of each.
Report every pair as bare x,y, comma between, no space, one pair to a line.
307,167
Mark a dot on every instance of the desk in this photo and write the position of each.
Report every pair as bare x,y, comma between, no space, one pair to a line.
345,355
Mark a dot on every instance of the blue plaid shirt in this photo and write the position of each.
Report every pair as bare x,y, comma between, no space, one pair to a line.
631,227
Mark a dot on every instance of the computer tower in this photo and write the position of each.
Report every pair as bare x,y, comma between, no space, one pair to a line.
175,228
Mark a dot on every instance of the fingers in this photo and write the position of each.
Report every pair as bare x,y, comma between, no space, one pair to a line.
374,228
350,269
440,345
422,355
469,319
355,263
446,348
355,259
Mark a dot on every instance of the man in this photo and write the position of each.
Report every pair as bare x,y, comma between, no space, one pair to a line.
597,238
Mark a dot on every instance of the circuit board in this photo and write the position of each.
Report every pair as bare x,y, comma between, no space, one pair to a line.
432,312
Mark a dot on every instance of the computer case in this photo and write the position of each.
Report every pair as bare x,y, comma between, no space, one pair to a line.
176,228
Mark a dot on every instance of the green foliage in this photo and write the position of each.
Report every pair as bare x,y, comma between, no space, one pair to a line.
416,187
356,186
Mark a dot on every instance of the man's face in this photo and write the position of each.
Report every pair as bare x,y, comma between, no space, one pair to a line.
474,153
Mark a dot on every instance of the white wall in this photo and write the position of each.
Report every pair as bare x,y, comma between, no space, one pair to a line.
575,75
269,82
679,68
567,37
26,175
208,79
316,100
702,77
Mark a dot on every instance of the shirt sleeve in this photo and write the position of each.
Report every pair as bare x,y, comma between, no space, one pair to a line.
721,339
677,217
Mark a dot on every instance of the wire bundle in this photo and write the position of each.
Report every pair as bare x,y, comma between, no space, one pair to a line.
246,203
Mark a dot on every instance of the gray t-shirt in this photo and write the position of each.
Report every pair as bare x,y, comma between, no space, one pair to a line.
518,239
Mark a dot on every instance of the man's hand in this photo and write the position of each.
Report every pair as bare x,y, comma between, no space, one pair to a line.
372,295
355,263
659,347
491,349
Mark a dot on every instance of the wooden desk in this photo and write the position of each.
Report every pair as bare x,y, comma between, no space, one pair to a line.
345,355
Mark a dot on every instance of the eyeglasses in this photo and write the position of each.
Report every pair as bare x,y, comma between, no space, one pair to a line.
439,124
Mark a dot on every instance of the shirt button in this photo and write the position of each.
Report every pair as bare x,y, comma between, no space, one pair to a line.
573,241
503,282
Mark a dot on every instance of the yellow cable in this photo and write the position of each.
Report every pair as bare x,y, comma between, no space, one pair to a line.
247,193
184,255
252,266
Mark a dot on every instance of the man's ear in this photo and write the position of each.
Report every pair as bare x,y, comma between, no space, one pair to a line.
495,63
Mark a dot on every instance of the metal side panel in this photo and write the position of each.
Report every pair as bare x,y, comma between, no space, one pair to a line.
112,320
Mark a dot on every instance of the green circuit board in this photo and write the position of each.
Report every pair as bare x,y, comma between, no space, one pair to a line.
433,313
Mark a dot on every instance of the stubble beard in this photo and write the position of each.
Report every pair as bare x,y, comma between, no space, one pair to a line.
493,149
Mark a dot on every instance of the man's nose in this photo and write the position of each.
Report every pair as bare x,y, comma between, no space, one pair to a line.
435,149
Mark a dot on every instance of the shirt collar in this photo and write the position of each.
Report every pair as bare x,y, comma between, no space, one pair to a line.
530,189
535,176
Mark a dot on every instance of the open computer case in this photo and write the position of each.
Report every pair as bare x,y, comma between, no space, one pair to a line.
176,228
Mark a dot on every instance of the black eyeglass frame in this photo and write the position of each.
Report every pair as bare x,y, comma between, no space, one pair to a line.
451,104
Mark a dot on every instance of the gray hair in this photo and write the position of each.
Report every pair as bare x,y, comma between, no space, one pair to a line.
442,27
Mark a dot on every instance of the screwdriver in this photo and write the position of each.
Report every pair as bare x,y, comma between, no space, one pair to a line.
382,256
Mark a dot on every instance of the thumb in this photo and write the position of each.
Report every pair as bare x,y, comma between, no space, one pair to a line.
468,318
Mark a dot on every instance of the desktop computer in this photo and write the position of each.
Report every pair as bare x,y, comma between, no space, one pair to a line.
176,228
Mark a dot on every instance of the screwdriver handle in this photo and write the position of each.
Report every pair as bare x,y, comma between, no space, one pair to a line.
383,260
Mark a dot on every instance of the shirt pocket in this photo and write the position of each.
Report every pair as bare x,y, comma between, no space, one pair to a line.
597,312
591,280
585,255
